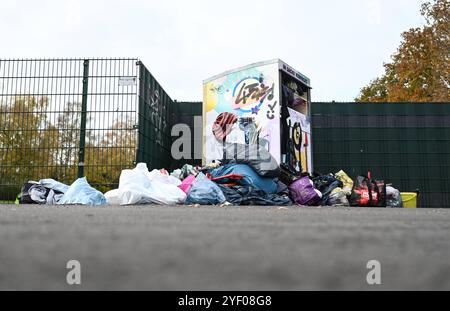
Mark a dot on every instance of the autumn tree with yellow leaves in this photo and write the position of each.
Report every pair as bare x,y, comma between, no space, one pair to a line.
420,69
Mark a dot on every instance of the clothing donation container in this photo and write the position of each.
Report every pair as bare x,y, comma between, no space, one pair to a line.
266,103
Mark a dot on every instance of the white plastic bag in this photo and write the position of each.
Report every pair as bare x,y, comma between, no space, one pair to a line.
139,186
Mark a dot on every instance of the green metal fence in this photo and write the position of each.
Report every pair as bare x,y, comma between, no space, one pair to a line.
66,118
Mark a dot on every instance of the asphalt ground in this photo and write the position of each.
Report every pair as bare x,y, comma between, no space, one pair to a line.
213,248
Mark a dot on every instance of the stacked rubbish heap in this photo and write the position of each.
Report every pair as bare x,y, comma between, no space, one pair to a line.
248,176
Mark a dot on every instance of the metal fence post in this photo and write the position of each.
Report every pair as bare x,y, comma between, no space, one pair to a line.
141,105
83,119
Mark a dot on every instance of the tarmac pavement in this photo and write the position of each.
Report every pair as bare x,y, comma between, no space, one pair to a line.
233,248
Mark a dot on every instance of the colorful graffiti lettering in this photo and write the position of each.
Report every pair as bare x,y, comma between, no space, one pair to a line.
250,94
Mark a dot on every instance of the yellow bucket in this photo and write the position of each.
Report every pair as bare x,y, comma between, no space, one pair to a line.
409,199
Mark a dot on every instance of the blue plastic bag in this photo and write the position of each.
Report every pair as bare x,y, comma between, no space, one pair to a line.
205,192
80,192
251,178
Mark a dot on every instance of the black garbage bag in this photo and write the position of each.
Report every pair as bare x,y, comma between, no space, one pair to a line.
255,156
248,195
368,193
326,184
379,188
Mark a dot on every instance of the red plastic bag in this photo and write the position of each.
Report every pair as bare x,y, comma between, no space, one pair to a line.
368,193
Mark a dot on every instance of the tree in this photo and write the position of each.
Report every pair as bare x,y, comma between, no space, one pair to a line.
420,69
115,151
68,124
26,140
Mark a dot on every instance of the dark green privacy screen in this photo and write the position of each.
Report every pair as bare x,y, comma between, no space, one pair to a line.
190,114
406,144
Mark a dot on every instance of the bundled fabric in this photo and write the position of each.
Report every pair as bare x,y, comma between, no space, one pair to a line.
248,195
228,180
187,170
339,197
286,176
80,192
254,155
303,192
205,192
251,178
139,186
393,197
33,193
326,184
282,189
56,190
46,191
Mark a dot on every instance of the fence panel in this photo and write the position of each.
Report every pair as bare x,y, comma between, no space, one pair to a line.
64,118
407,144
154,122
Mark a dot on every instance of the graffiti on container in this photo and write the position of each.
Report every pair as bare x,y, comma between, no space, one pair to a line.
271,111
250,93
218,89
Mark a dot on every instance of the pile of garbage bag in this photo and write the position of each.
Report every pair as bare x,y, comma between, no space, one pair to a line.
52,192
254,179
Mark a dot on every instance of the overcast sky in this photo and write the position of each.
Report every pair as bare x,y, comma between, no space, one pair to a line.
339,44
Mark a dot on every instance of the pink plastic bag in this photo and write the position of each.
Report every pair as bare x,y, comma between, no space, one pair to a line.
187,183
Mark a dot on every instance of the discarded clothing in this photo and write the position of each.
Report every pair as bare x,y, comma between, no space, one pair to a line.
251,178
33,193
80,192
326,184
46,191
338,197
282,189
204,192
228,180
248,195
187,170
254,155
56,190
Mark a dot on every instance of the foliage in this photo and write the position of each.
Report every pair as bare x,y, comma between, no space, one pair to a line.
32,147
419,71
